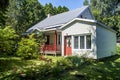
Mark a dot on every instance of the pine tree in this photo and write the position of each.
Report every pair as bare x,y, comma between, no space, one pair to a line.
48,9
62,9
23,14
86,2
3,7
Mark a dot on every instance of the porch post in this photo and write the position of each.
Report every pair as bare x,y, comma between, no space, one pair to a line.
55,42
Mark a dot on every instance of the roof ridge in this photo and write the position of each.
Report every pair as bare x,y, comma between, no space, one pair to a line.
69,11
58,19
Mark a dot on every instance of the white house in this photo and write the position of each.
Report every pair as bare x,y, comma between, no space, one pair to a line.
76,32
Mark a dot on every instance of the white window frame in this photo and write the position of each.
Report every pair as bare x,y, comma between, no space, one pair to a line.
74,42
85,47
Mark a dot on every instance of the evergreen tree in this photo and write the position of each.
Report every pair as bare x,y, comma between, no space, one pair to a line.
86,2
93,3
48,9
23,14
62,9
3,7
104,11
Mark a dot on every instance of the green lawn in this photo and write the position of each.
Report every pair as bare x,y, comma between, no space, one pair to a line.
60,69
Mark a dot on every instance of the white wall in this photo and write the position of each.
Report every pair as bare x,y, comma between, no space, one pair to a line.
80,28
106,42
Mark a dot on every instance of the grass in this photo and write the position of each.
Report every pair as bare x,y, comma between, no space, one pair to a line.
104,69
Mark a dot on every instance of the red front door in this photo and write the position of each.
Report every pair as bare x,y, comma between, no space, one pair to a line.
67,48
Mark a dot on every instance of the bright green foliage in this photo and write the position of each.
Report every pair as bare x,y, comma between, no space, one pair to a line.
27,48
23,14
8,38
118,49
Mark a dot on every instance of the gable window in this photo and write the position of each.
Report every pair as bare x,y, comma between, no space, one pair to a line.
76,42
83,43
81,16
88,42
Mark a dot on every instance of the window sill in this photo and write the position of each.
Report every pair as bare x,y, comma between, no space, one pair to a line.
83,49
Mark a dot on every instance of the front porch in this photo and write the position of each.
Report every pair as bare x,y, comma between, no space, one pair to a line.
53,43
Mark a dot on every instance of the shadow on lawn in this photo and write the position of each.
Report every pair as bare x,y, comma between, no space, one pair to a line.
71,68
107,69
9,63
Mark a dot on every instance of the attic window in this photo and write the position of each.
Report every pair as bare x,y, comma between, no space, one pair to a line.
81,16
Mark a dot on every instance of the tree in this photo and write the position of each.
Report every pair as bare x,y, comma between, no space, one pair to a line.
62,9
86,2
3,7
104,11
27,48
8,38
107,7
93,3
23,14
48,9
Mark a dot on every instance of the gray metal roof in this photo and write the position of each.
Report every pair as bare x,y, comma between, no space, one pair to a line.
58,20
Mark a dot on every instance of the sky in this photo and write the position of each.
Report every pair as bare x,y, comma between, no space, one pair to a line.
71,4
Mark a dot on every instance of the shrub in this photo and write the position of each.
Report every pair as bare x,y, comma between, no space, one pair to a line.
78,61
8,38
27,48
118,49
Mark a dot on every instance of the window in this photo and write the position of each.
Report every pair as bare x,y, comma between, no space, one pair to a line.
68,41
82,42
81,16
76,42
59,40
88,41
47,39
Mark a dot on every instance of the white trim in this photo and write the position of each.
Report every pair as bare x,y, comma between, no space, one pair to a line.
85,47
88,20
85,42
48,30
79,19
53,26
78,42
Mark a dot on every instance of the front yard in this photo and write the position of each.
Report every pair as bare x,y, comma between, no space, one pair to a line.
59,68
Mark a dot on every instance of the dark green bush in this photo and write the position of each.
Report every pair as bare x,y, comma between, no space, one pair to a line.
78,61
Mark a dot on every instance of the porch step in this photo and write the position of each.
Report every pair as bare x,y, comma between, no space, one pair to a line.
52,52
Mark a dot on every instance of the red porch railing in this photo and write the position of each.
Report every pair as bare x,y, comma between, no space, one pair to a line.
48,48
